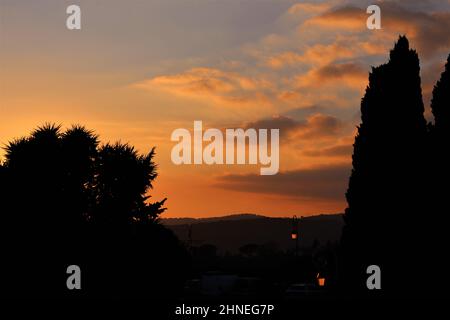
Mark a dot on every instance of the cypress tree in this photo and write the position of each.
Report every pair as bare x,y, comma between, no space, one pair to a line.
384,195
439,173
440,103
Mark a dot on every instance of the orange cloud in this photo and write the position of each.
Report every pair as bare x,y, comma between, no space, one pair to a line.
375,48
318,54
339,150
209,83
284,58
308,7
352,18
428,29
315,126
318,126
289,96
349,74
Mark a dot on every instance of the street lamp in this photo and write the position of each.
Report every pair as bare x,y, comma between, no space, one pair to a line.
294,234
320,280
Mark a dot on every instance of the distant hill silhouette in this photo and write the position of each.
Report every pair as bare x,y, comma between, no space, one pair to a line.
229,233
242,216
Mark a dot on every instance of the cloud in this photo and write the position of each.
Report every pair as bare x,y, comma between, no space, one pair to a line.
319,54
210,83
341,70
315,126
196,81
374,46
290,96
320,125
342,150
304,112
352,18
432,32
285,58
349,74
324,183
428,29
286,125
308,7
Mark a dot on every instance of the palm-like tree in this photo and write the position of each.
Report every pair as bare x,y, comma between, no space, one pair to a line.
69,172
65,199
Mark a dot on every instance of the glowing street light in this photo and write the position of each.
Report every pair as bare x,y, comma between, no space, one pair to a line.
294,234
320,280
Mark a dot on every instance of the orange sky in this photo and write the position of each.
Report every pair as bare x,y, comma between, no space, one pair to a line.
137,70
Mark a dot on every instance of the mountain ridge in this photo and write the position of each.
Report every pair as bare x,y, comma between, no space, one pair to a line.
233,217
229,233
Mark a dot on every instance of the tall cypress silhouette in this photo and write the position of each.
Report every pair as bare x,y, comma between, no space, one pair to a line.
439,172
440,104
384,200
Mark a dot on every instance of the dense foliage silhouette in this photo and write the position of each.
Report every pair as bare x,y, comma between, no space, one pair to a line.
66,200
392,220
440,171
441,101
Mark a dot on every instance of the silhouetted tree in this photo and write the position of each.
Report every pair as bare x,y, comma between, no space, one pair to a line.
207,251
440,103
439,171
79,155
3,197
249,250
385,200
66,200
122,181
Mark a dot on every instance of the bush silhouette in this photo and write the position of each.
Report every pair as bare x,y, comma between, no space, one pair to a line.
67,200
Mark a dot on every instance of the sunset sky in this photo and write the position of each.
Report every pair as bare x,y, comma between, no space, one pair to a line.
137,70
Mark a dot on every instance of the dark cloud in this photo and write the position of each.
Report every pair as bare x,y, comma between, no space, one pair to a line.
315,126
428,29
431,29
326,183
423,5
302,113
319,126
341,70
285,124
345,114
